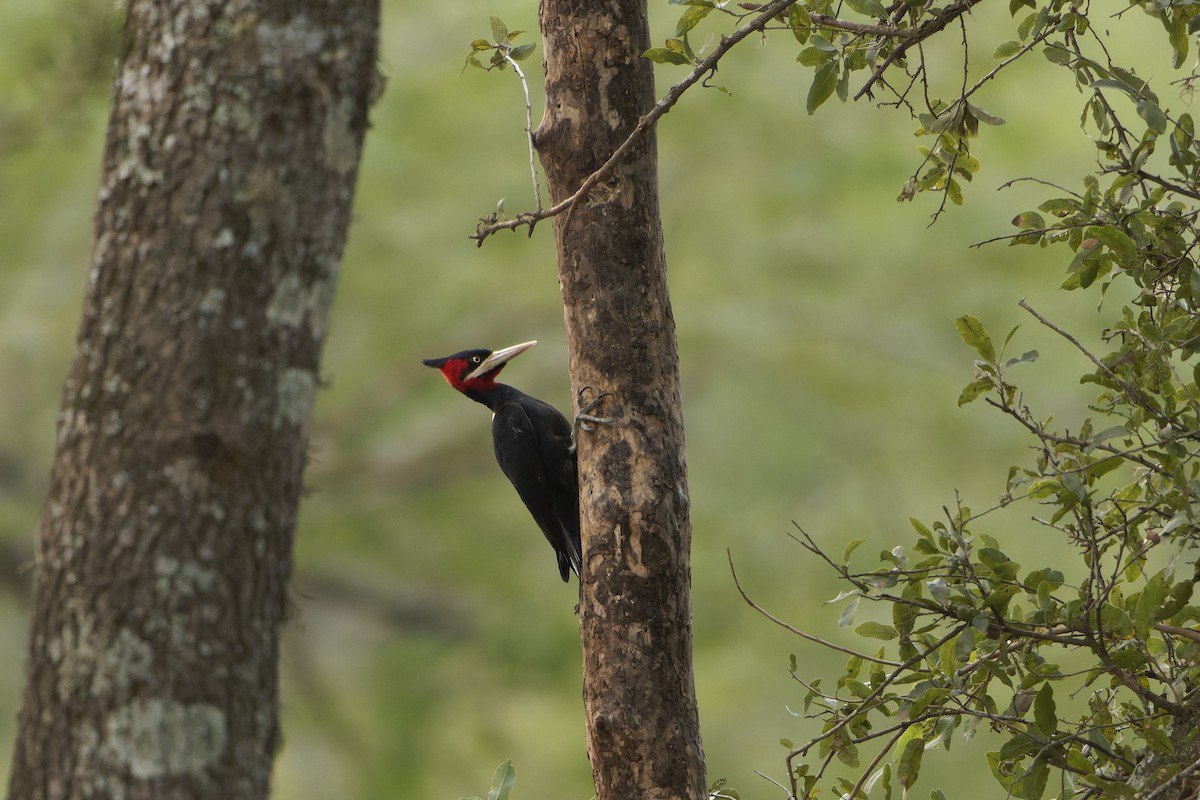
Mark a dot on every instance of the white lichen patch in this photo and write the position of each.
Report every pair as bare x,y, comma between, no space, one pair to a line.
289,304
337,137
284,46
296,390
157,738
294,303
175,578
185,477
213,301
124,661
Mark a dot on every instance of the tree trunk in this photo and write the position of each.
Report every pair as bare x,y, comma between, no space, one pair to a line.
635,614
165,545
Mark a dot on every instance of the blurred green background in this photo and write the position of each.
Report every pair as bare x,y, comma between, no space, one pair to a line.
820,366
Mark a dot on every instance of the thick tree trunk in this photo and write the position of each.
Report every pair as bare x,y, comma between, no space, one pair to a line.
635,615
165,545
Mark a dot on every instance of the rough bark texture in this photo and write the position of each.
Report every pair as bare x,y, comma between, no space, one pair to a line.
165,545
635,615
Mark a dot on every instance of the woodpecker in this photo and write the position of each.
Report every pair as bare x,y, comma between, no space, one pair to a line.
534,446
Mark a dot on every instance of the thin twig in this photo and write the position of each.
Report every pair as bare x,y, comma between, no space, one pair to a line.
1187,633
1174,187
797,631
866,702
529,218
1132,392
862,29
923,32
1034,42
1174,779
537,190
883,752
769,779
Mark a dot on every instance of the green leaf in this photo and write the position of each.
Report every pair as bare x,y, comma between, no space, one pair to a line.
1046,487
998,562
1006,49
661,55
479,45
972,332
1032,785
800,22
954,192
521,52
851,546
1019,746
499,36
1058,55
911,746
868,8
1045,714
973,390
813,56
1028,357
503,780
964,645
1115,240
921,528
847,615
691,18
1158,739
1178,34
824,82
1154,117
998,599
1150,600
876,630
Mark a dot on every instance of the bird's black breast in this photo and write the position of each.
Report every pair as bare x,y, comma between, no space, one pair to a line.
533,447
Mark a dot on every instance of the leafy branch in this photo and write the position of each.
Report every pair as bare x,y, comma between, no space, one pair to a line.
505,52
491,224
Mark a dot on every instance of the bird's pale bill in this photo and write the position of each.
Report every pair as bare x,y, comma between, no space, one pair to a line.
499,358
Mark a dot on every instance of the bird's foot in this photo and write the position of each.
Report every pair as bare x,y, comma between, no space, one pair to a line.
584,418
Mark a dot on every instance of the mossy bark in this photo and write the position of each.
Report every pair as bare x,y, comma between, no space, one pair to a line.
635,612
165,545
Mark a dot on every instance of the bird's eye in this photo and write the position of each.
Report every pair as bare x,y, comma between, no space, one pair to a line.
474,359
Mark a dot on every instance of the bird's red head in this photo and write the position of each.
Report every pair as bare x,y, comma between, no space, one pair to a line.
475,370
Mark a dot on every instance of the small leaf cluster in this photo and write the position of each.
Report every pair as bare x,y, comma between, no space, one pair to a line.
503,781
501,46
677,49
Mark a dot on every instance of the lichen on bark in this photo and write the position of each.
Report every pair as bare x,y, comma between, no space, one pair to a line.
165,546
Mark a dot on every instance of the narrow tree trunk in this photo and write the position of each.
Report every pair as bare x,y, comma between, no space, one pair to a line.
165,545
635,615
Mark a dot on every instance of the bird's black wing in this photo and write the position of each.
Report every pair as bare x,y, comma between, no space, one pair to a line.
533,448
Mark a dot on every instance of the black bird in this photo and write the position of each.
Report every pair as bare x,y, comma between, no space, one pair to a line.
533,444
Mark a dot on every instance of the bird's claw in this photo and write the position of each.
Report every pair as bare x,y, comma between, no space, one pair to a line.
584,419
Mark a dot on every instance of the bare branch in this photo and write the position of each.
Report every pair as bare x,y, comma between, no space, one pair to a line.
923,32
1187,633
889,31
797,631
1134,394
537,190
490,225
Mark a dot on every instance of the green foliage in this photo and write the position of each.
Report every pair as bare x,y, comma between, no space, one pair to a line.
982,639
882,52
503,779
504,52
1080,669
